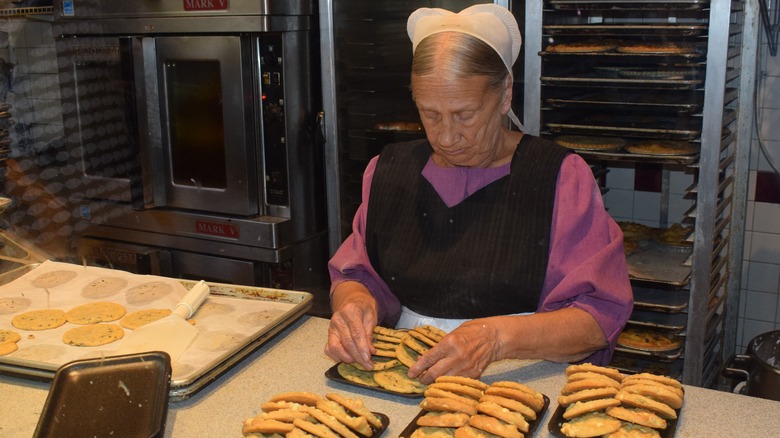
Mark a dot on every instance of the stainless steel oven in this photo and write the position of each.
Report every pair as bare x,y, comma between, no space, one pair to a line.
194,127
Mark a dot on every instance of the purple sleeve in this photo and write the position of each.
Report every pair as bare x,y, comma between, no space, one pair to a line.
351,263
587,266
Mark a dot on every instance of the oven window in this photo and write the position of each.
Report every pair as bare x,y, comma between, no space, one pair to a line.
197,132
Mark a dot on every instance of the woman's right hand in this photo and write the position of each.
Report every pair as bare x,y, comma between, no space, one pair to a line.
352,324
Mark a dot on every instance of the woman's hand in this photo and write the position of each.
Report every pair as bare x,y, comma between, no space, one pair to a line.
466,351
352,324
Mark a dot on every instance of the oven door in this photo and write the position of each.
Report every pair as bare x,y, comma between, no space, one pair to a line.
200,151
98,113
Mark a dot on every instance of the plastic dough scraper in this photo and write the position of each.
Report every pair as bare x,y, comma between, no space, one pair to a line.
171,334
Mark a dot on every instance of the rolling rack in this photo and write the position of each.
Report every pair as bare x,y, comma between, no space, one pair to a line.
700,95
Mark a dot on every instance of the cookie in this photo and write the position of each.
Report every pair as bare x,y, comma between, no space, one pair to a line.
300,397
582,375
94,313
434,333
396,380
441,404
504,414
639,416
8,348
353,374
9,336
266,427
581,408
93,335
657,393
43,319
385,331
640,401
579,385
356,407
677,391
590,425
654,377
534,401
379,364
584,367
432,391
494,426
417,346
630,430
443,419
512,405
406,355
11,305
103,287
433,432
467,381
140,318
283,415
457,388
357,423
319,430
586,394
420,336
331,422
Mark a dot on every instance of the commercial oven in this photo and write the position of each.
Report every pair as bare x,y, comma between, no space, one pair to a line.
194,129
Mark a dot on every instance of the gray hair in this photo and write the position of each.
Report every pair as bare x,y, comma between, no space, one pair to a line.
458,55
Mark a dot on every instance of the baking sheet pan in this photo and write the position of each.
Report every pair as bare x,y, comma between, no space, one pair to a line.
658,263
679,30
232,322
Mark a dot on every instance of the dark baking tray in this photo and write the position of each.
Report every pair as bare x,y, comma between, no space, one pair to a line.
629,5
661,300
554,426
532,425
604,82
680,30
332,373
629,364
629,100
673,323
122,396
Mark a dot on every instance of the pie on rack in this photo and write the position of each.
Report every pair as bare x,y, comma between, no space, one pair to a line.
654,48
647,340
587,46
661,148
590,142
675,235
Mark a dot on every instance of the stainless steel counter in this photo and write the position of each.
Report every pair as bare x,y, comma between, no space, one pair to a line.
294,361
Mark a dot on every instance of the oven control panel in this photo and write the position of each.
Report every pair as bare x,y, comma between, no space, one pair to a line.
273,119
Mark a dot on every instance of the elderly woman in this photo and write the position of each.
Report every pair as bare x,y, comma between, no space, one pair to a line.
495,236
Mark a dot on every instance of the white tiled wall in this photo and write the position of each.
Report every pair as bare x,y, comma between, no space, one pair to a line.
759,309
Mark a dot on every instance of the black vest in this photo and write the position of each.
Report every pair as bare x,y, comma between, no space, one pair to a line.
485,256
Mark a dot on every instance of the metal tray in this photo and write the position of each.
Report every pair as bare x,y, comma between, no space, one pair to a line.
115,396
657,300
628,5
680,30
657,263
631,100
629,364
233,322
602,82
673,323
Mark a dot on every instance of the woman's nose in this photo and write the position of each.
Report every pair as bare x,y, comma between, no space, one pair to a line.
447,134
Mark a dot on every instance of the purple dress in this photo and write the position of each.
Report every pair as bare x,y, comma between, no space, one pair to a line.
587,266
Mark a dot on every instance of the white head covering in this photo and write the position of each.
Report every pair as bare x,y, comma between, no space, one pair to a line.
491,23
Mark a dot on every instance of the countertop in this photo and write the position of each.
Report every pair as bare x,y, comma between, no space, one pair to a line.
294,361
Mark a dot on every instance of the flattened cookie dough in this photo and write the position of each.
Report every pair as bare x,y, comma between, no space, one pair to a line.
53,278
93,335
140,318
103,287
11,305
147,293
592,424
353,374
94,313
42,319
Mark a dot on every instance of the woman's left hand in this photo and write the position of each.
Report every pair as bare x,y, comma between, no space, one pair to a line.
466,351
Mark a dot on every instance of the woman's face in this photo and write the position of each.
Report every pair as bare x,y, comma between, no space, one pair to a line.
462,118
